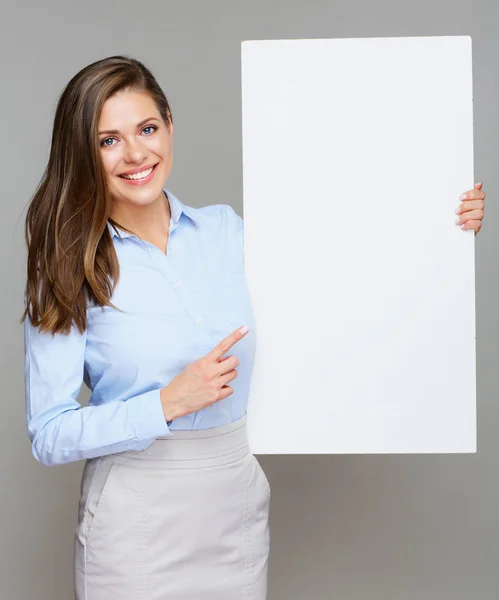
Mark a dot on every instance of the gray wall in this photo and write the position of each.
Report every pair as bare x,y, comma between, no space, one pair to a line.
344,527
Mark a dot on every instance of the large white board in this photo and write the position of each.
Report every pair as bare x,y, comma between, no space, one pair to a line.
355,152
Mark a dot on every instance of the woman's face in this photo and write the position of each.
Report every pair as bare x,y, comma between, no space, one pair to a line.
141,140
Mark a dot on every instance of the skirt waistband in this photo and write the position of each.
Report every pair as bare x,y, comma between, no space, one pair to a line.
191,449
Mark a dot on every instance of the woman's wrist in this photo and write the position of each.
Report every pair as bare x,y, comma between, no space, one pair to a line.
168,411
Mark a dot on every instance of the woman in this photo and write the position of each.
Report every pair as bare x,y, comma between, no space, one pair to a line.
131,291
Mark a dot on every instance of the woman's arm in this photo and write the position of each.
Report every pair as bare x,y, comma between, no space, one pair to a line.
59,428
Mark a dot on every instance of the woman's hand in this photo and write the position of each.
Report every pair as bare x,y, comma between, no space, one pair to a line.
471,210
202,382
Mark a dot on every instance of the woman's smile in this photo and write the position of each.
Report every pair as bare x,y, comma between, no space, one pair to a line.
140,178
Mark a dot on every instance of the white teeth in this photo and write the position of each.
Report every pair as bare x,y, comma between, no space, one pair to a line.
139,175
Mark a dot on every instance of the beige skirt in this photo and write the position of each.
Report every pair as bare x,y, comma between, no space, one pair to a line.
185,519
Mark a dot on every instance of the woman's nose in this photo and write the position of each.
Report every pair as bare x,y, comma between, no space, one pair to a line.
134,151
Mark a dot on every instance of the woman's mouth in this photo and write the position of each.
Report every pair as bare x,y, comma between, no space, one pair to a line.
140,178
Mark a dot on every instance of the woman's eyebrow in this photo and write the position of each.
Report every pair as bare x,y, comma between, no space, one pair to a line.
138,125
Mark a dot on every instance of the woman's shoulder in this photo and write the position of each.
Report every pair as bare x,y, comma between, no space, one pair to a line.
217,219
221,211
222,220
215,216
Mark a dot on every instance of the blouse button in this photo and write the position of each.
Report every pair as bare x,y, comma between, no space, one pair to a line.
199,321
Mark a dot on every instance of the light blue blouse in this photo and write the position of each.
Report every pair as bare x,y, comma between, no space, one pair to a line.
176,308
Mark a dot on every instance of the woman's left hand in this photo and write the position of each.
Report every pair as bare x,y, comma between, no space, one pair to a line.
471,209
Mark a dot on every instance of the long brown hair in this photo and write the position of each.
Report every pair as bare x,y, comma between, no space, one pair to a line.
71,255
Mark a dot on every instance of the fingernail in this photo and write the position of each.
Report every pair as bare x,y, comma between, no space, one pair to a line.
463,197
458,221
463,225
244,329
458,210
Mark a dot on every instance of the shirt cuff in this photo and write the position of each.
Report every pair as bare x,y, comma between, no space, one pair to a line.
146,416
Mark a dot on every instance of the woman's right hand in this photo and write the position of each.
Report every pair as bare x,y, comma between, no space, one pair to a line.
202,382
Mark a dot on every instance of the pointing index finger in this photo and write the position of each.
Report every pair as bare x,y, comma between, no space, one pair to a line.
226,344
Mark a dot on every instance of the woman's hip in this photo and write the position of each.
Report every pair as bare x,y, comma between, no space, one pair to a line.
194,503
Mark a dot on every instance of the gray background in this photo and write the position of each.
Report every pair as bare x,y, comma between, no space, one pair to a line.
343,527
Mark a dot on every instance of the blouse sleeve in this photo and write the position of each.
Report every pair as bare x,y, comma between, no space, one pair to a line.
60,429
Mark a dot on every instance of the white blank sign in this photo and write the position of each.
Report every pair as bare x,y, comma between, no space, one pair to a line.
355,153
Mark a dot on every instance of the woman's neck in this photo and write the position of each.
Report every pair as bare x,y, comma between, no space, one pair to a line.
150,222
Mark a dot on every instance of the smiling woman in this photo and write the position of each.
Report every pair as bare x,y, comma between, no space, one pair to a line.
140,296
137,156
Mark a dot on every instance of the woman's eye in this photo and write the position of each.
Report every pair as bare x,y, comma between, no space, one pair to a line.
103,143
